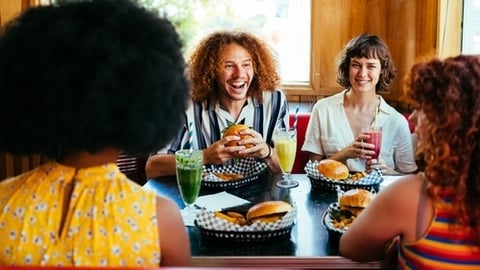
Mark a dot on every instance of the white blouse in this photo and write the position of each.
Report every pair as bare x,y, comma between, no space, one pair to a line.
329,131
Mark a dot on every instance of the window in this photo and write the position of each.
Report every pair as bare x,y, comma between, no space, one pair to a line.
284,24
471,27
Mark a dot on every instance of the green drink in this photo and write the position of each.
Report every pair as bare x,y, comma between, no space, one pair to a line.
189,168
188,183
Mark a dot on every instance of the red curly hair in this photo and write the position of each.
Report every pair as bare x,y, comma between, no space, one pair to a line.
205,62
447,92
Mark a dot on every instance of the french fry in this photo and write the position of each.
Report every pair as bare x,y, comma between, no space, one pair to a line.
232,217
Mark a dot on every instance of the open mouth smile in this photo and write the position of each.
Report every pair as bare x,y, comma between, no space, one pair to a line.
238,86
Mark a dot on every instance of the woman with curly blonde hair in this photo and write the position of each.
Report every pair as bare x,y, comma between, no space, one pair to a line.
434,214
234,80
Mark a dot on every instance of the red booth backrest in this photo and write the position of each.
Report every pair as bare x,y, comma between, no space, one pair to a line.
410,124
300,158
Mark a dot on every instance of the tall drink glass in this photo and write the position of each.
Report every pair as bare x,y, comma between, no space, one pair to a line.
285,141
189,164
375,138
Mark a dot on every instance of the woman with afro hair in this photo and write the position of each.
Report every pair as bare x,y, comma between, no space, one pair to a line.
234,81
434,215
80,83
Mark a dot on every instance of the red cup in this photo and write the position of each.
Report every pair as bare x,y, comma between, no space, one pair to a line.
375,138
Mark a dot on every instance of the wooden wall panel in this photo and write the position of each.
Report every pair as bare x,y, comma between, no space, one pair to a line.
409,28
13,165
449,26
11,8
412,29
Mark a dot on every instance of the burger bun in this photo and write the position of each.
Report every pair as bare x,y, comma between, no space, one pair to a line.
235,129
355,200
268,211
333,169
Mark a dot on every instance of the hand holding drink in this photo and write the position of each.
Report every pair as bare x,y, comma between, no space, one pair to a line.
375,138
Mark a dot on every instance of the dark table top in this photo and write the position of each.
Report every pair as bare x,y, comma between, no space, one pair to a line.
309,238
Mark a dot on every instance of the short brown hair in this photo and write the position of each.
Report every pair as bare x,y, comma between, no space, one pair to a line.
369,46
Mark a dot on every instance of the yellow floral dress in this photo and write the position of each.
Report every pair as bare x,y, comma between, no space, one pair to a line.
110,220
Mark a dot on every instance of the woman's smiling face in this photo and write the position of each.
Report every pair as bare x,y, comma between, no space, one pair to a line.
235,73
364,73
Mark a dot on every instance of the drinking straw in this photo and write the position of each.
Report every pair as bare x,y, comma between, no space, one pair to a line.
376,114
190,138
295,119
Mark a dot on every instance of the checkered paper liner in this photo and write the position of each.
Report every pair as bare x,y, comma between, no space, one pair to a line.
207,220
327,221
250,168
370,182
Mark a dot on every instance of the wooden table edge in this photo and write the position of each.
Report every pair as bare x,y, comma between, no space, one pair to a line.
284,262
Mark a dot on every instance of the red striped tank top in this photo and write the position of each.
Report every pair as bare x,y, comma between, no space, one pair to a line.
441,247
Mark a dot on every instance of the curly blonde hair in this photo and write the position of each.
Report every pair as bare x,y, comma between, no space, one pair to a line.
448,93
205,61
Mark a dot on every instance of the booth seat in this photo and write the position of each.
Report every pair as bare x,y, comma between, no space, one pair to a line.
133,166
300,158
410,124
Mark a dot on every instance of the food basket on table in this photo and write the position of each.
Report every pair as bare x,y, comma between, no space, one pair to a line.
213,228
340,215
245,172
329,221
369,181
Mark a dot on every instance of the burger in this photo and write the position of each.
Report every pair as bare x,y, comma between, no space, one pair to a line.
231,216
268,211
235,129
355,200
333,169
351,204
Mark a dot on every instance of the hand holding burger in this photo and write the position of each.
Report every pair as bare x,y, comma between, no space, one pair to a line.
236,129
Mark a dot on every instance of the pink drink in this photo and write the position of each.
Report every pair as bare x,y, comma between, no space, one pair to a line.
375,138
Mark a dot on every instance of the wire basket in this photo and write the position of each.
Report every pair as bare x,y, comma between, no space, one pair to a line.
328,222
246,236
250,168
214,228
370,182
335,185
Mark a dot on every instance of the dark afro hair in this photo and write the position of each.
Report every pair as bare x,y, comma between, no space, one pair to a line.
90,75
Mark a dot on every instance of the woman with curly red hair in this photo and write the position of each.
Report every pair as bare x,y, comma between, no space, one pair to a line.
435,215
234,80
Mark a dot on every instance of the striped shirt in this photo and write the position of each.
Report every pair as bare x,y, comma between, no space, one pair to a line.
209,119
442,247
